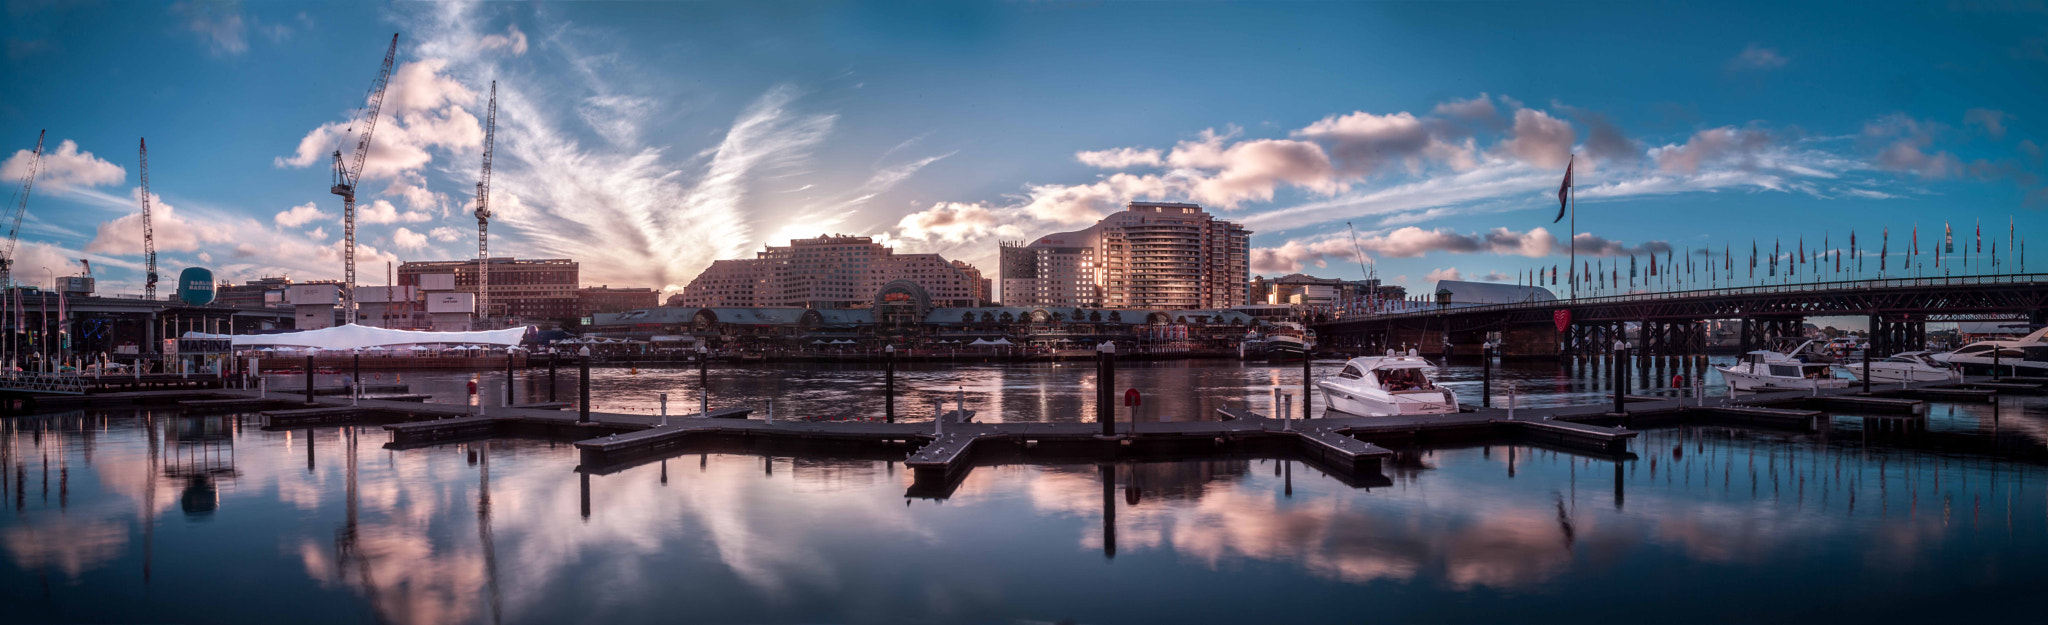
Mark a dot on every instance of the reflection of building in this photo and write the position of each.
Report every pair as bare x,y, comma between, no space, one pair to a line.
597,299
833,271
1304,290
903,313
521,290
201,452
1152,255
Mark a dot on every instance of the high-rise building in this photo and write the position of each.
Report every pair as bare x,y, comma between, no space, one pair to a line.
835,271
1150,256
521,290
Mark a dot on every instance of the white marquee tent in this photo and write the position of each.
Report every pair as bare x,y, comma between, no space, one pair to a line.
352,336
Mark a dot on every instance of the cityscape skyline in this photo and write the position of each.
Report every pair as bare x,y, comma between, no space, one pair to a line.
1445,173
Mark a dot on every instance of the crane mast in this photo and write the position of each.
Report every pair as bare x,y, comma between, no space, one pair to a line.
148,231
483,214
348,173
17,208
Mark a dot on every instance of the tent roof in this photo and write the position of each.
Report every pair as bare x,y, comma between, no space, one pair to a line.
1462,292
354,336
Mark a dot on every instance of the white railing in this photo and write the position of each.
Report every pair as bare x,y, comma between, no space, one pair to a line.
1845,286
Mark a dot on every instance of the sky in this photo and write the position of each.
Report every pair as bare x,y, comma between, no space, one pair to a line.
647,139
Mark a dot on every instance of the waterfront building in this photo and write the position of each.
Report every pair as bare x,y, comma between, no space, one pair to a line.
597,299
268,292
1151,255
829,272
522,291
1305,290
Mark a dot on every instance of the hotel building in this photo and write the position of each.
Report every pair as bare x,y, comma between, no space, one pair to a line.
521,290
1152,255
830,272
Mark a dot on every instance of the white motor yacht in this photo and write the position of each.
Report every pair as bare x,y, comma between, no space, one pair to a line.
2026,356
1904,367
1379,386
1764,370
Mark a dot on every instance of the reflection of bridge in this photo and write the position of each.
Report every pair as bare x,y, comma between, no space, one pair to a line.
1674,323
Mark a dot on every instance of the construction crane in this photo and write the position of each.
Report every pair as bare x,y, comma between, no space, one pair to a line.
148,231
348,173
17,208
483,213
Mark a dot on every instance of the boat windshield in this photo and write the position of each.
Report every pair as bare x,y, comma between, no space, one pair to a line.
1404,380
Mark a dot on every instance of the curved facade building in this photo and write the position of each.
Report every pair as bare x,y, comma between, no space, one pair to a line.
1151,255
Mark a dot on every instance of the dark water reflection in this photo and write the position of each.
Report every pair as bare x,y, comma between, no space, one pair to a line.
1172,391
150,516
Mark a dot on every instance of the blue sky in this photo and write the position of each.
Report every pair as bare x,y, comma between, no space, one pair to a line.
648,139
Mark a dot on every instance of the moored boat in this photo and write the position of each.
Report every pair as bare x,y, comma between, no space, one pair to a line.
1378,386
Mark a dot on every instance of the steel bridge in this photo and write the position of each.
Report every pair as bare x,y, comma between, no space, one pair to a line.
1675,323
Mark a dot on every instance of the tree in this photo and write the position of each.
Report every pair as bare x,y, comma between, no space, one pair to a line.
1095,315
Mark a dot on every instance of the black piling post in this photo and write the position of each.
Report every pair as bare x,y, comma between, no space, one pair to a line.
1307,357
1105,391
508,377
889,384
551,375
1620,377
583,388
1486,388
309,379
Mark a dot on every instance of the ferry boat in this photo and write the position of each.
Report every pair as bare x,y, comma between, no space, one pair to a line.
1764,370
1288,339
1905,367
2027,356
1379,386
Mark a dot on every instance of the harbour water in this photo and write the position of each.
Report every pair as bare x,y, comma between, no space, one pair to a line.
148,515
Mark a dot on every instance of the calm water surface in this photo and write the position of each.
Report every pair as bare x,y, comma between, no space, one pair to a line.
125,516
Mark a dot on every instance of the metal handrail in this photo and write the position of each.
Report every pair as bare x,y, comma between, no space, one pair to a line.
1806,287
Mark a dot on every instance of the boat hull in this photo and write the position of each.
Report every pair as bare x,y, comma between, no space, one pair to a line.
1745,381
1351,401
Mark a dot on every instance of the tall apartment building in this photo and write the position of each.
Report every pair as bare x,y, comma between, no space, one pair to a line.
1150,256
835,271
534,289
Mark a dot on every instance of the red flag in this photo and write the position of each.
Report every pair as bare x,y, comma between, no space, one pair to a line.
1564,190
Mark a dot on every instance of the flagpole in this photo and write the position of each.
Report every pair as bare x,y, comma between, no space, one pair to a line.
1572,238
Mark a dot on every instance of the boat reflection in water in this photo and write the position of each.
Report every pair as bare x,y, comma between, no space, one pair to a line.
328,525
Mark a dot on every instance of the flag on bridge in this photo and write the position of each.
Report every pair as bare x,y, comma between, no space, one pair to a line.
1948,238
1752,258
1777,249
1885,249
1564,190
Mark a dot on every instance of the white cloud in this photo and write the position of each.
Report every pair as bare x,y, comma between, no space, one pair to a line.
172,232
1476,109
64,168
1905,142
1449,273
422,112
446,234
219,23
1992,121
1121,158
1720,146
1757,57
1253,169
1365,143
954,222
513,40
405,239
317,234
1539,139
382,212
301,215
